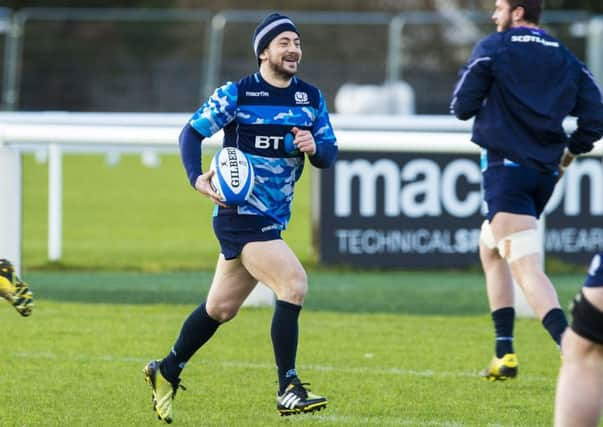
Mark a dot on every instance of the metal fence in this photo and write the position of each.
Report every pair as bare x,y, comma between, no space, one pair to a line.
86,59
168,60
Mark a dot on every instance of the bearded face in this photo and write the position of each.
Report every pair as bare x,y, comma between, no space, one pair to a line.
502,15
283,55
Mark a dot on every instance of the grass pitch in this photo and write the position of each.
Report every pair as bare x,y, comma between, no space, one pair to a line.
131,217
389,349
386,348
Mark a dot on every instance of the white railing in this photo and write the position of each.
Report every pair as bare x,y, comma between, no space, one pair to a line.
56,133
59,132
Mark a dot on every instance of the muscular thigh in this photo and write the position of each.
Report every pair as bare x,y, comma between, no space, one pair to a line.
274,264
231,284
504,224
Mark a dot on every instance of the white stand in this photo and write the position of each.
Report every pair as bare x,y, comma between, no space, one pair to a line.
522,308
55,203
10,206
261,296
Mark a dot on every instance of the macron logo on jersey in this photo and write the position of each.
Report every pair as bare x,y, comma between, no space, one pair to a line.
261,93
534,39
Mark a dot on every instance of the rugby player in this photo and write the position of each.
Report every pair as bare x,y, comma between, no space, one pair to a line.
519,85
580,384
262,114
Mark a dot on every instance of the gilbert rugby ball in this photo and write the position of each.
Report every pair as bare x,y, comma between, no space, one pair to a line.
233,178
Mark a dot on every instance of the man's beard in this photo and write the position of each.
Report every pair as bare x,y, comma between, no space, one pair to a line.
505,25
280,71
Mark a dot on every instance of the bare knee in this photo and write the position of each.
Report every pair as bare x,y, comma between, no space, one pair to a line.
222,311
294,287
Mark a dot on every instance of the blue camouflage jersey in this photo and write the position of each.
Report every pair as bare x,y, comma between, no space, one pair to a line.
257,118
520,85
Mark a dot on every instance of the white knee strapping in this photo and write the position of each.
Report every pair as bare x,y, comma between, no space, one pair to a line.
520,244
486,235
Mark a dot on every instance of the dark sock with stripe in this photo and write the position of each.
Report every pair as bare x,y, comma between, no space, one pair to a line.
196,330
284,333
504,321
555,322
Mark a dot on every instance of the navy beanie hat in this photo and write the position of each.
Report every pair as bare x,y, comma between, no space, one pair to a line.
270,27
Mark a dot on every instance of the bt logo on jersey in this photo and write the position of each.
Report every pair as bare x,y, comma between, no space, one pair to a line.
265,142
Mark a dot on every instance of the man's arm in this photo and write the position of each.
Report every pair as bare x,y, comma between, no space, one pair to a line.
589,110
473,84
326,144
213,115
190,152
566,160
325,156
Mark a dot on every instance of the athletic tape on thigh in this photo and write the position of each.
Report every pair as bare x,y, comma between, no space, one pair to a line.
587,320
487,236
520,244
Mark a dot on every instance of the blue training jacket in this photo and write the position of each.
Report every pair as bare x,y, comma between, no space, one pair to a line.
595,272
520,85
257,118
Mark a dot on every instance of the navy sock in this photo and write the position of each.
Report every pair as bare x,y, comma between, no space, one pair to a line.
196,330
504,320
284,333
555,322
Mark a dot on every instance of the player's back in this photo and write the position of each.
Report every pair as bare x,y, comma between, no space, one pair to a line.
535,86
538,78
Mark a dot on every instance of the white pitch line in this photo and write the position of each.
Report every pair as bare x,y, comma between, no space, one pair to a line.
428,373
383,421
340,420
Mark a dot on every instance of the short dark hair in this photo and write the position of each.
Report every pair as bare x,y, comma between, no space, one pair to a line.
531,9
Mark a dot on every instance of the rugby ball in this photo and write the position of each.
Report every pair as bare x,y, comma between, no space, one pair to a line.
233,176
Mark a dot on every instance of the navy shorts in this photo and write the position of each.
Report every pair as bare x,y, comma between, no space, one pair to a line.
595,272
517,189
235,231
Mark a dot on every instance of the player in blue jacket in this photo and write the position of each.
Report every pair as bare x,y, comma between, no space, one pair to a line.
520,84
580,385
277,120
